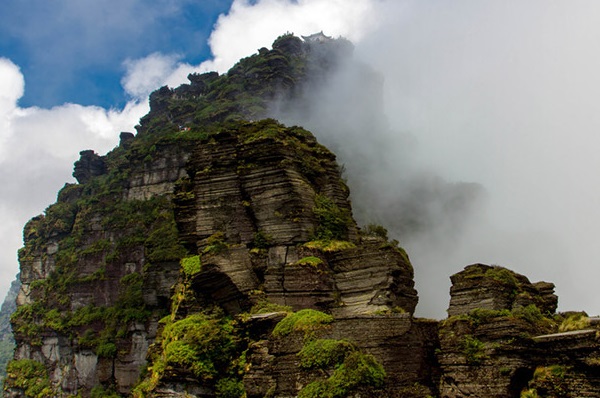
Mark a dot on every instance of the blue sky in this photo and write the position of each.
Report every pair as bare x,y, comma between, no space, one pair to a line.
501,93
74,50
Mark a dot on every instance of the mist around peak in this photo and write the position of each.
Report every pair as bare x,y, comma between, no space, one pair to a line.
420,208
492,94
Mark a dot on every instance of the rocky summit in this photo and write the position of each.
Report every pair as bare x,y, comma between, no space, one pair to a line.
215,254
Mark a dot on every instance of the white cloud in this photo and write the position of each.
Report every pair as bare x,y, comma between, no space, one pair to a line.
11,83
249,26
37,150
11,89
147,74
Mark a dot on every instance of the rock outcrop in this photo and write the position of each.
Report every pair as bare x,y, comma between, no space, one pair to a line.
482,286
503,339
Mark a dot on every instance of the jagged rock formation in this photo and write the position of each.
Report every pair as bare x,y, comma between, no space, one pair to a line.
503,338
494,288
215,254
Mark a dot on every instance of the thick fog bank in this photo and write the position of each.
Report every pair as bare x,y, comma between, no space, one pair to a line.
470,131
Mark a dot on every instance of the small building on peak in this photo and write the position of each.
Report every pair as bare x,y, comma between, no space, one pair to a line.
317,38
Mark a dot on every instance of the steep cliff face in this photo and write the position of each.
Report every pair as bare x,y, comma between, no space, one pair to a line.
261,204
262,207
215,254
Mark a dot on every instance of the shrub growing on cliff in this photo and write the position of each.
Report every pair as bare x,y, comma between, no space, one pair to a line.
481,316
261,240
101,392
191,265
324,353
199,344
333,221
30,376
329,245
262,305
307,321
576,321
473,350
548,381
375,230
215,243
229,388
310,261
357,370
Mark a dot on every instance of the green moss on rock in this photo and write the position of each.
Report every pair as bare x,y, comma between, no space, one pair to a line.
307,321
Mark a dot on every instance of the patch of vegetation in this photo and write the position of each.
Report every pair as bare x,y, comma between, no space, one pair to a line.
261,240
482,316
375,230
101,392
502,275
357,370
324,353
333,221
473,350
575,321
307,321
531,314
548,381
205,346
30,376
529,393
215,244
230,388
26,321
264,306
191,265
329,245
310,261
106,349
162,243
199,344
497,273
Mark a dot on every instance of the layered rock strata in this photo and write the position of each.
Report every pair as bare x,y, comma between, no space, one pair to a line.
503,339
248,201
